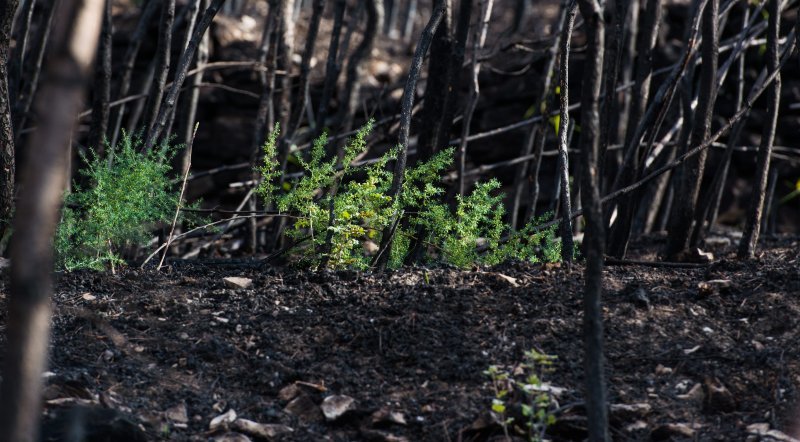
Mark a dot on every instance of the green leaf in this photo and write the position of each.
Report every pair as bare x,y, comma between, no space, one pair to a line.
498,406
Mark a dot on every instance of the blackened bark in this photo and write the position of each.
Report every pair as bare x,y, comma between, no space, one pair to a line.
102,85
181,70
454,73
596,401
749,241
478,40
609,117
265,116
563,143
190,12
163,53
194,97
7,160
537,133
21,35
300,94
437,120
382,258
436,87
351,92
681,220
36,217
650,14
332,67
128,62
31,72
713,198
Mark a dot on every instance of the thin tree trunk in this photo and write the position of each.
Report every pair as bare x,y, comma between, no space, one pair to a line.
138,108
128,62
749,241
536,133
714,196
25,97
478,40
102,85
300,94
21,35
180,72
351,92
437,85
596,402
410,19
683,210
382,258
194,97
285,48
7,160
332,67
650,14
36,217
563,143
437,120
191,12
285,51
163,53
609,117
627,62
265,117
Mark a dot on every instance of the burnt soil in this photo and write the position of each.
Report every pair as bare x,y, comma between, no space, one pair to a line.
693,359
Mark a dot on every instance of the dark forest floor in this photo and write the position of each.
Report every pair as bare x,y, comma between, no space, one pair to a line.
695,360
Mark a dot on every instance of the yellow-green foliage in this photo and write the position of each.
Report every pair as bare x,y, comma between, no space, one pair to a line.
523,386
361,211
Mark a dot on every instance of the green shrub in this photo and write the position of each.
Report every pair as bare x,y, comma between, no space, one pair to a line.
126,196
476,234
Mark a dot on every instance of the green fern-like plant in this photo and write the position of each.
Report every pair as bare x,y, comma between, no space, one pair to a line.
340,210
125,197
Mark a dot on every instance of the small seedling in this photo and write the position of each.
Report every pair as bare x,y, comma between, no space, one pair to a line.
523,389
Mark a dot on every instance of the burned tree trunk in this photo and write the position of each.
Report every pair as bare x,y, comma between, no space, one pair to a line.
447,58
351,93
30,72
436,88
650,13
102,85
7,161
265,116
749,241
284,54
596,407
190,13
332,67
128,63
44,175
683,211
478,40
300,98
382,258
534,141
180,72
162,63
563,141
